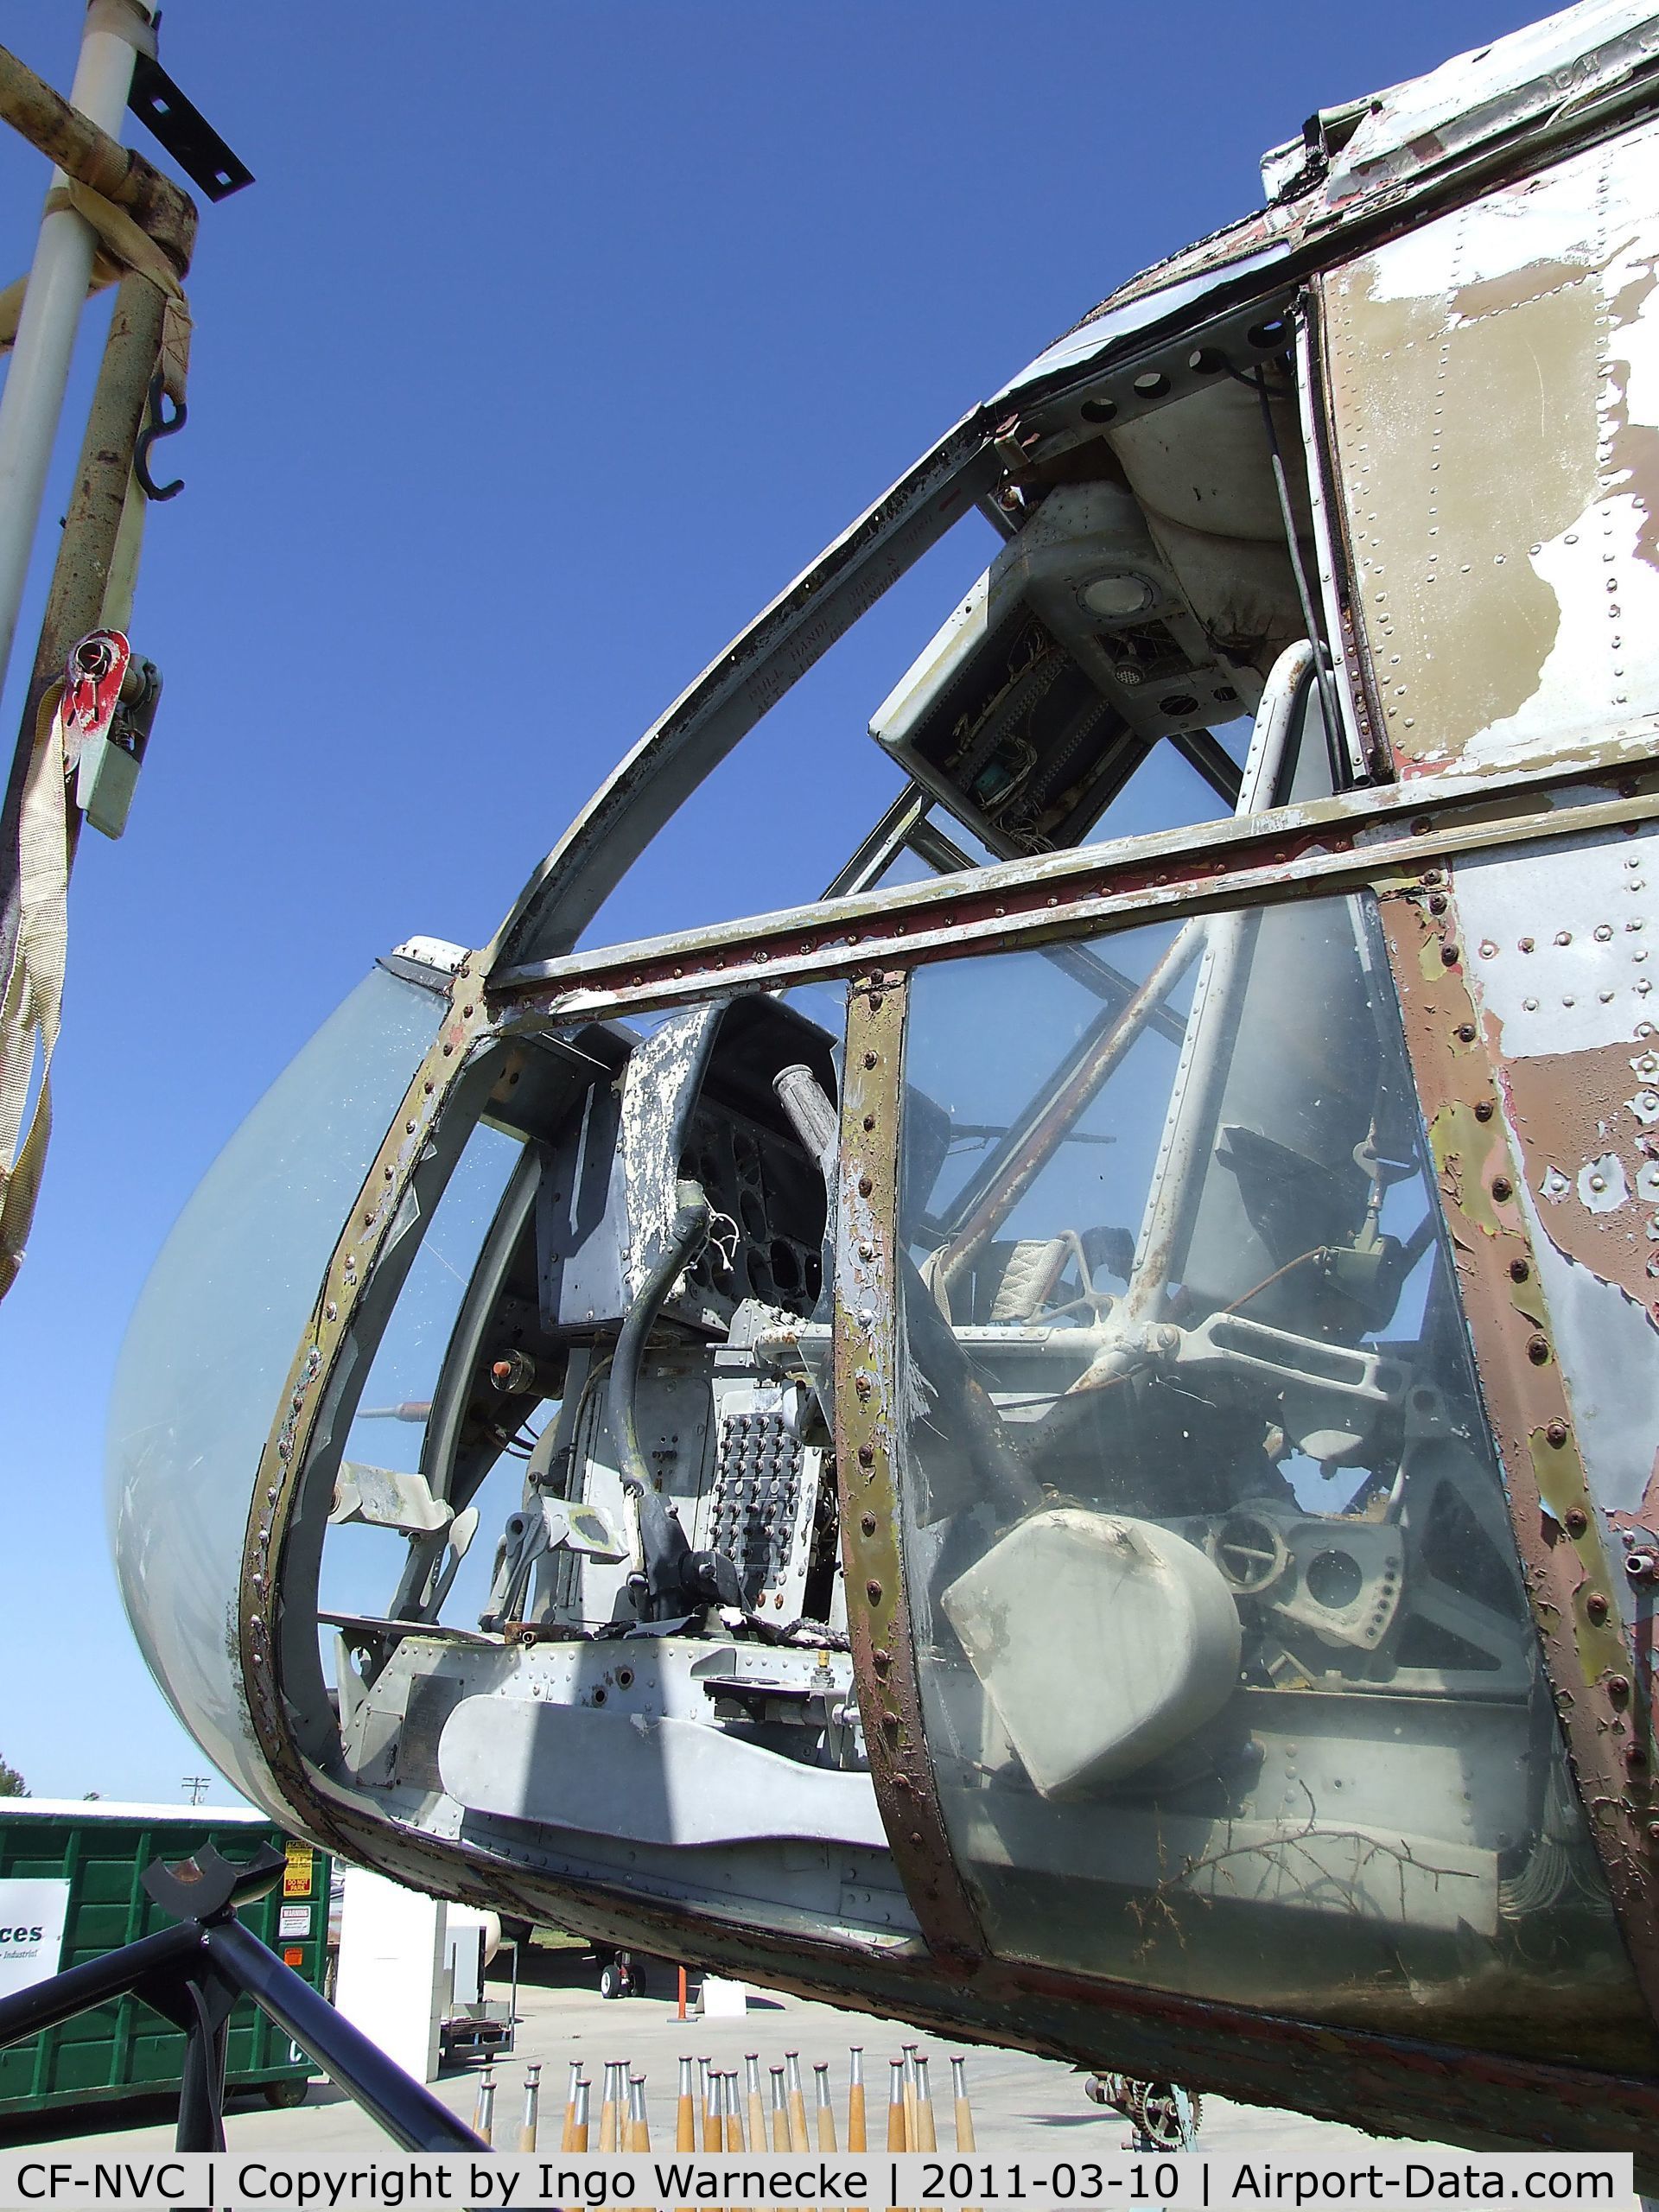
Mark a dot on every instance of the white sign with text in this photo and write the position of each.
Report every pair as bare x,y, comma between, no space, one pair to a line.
32,1914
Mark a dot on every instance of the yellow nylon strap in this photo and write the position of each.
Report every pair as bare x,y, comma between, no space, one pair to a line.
33,1001
122,244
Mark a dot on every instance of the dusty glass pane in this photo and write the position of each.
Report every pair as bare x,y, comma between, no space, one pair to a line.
214,1333
1227,1667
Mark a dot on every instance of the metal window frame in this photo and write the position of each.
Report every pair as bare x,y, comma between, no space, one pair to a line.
1359,837
1607,1725
1397,845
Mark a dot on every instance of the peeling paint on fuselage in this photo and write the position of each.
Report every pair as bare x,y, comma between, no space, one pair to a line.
1495,397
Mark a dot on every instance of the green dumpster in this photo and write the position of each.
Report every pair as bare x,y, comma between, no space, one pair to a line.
70,1891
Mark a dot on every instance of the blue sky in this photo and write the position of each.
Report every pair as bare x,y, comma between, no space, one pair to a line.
550,343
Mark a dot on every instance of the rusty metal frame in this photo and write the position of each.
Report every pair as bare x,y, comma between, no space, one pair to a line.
1294,851
307,1401
1572,1578
1607,1723
1272,252
1584,1654
948,1984
81,150
1393,838
869,1348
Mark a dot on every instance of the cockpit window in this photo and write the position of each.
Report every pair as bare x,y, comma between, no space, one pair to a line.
1228,1671
214,1335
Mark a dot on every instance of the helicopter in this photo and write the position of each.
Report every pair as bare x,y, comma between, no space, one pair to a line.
1078,1412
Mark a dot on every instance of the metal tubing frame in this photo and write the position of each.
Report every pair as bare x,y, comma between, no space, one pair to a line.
32,399
193,1974
80,576
95,158
408,2111
78,1989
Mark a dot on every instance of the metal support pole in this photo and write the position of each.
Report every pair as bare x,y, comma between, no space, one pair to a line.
408,2111
49,2004
80,598
76,602
33,399
193,1974
94,157
205,2011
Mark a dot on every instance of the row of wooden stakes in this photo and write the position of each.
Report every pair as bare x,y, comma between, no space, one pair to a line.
734,2121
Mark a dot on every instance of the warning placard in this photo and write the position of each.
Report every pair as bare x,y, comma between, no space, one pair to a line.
296,1874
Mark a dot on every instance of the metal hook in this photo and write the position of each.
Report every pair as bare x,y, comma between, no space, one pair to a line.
158,426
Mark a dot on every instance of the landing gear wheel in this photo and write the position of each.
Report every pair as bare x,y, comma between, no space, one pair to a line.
620,1977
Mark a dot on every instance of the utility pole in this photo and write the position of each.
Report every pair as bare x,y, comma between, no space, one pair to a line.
197,1786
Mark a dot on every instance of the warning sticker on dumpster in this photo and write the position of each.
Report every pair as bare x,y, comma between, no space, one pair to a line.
32,1918
293,1920
296,1874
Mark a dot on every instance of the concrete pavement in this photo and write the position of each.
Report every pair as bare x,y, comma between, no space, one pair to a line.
1020,2103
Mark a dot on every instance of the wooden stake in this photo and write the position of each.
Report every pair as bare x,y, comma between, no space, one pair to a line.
927,2136
855,2139
638,2120
897,2129
713,2133
798,2137
757,2103
685,2112
826,2110
964,2116
533,2108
